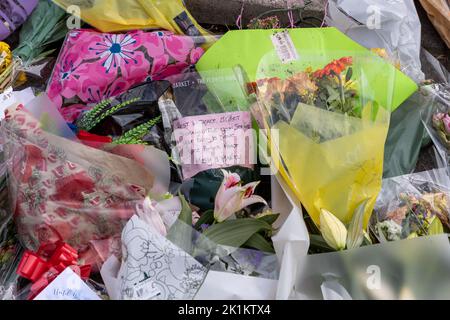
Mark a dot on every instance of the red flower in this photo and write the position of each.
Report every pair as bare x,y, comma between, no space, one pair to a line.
335,67
71,189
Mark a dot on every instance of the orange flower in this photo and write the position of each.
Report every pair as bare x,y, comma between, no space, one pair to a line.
335,67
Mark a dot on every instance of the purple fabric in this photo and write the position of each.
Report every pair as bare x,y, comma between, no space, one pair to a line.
13,14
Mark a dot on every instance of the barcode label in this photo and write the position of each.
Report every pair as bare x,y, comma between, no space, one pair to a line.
144,290
284,46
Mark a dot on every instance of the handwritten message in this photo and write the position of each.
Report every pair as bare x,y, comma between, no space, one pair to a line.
214,141
67,286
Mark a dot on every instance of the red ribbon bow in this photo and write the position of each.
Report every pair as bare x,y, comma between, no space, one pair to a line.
43,267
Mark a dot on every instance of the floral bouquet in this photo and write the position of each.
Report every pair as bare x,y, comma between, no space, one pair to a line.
338,122
173,263
65,191
411,206
436,118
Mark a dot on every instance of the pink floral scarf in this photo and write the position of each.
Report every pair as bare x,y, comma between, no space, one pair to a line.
66,191
93,66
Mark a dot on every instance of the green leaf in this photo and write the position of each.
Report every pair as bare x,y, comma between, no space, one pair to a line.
436,227
367,241
235,233
349,75
333,97
355,234
330,90
186,211
257,241
206,218
181,231
270,218
318,242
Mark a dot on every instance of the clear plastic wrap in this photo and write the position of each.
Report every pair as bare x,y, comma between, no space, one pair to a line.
415,269
436,118
158,268
337,117
64,191
204,131
393,26
130,118
406,136
10,252
407,133
412,205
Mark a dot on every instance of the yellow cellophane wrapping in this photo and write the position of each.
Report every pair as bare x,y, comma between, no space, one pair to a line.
336,174
122,15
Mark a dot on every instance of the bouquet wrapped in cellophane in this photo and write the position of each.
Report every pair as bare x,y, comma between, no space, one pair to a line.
411,206
436,118
327,118
62,190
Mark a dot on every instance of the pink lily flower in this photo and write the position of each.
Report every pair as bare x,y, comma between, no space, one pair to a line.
147,212
233,197
446,122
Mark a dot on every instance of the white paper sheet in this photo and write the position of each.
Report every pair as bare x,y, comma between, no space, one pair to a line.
230,286
67,286
149,257
10,98
291,243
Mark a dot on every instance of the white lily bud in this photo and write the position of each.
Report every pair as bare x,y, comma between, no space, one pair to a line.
333,230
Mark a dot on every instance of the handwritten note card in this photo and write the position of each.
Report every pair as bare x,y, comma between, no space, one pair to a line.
214,141
67,286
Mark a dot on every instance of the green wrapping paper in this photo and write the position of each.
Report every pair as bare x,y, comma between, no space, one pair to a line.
248,47
406,137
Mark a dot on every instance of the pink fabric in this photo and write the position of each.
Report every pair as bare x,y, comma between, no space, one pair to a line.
61,193
93,66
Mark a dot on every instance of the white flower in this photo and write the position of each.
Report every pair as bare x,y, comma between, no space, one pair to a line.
333,230
391,229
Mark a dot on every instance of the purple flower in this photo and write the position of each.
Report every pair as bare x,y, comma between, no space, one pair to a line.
446,122
204,226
